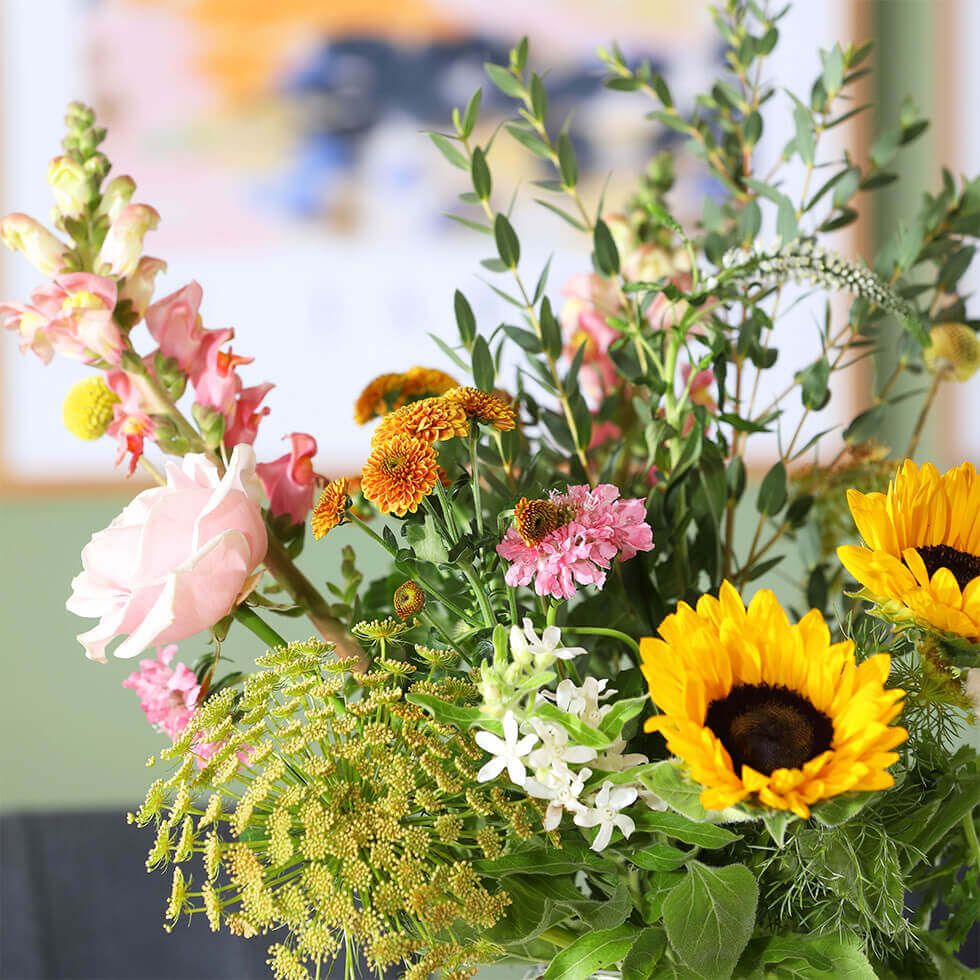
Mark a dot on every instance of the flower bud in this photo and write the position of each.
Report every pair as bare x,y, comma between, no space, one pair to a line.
43,250
116,195
138,287
123,245
87,409
955,350
71,186
170,375
166,436
211,424
409,600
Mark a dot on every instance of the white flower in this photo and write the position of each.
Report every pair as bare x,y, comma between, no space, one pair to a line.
584,701
545,649
561,788
604,813
613,760
973,688
507,752
555,750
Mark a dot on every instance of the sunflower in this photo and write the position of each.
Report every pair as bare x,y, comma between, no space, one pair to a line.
399,473
922,555
391,391
484,407
758,707
331,508
431,420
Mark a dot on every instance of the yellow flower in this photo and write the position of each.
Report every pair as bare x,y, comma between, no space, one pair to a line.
399,473
484,407
758,707
431,420
922,554
87,409
409,600
388,392
331,508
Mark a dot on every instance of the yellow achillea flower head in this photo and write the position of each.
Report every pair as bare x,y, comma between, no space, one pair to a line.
408,600
484,407
922,556
955,348
387,392
760,708
430,419
87,409
331,508
399,474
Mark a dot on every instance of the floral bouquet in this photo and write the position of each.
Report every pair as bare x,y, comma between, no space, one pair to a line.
560,729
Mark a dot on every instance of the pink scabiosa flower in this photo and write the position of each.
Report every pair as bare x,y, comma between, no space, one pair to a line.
289,481
572,538
176,560
168,695
123,244
70,316
40,247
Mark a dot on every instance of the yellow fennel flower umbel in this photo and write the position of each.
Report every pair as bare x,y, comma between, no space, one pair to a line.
921,560
87,409
767,711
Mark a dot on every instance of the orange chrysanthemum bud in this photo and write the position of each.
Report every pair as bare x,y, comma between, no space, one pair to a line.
431,420
484,407
536,519
408,600
399,474
331,508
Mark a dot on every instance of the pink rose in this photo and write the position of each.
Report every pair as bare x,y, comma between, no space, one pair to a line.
289,480
70,316
176,560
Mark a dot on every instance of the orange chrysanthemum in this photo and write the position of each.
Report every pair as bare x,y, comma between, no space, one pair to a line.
484,407
331,508
409,600
399,474
388,392
431,420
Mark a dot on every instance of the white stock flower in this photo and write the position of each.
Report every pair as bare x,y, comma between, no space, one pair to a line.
604,813
508,752
613,760
545,649
561,788
555,750
583,702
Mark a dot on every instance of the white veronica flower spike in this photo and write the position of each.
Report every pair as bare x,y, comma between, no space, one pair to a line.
508,752
604,813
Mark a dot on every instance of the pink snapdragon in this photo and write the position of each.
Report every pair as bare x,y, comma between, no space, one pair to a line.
123,245
73,316
132,416
40,247
175,324
243,426
138,288
289,481
599,527
168,695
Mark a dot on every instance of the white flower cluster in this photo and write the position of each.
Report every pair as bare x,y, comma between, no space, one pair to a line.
539,754
808,263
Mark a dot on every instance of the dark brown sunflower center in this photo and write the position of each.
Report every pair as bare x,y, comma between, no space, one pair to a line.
769,727
965,567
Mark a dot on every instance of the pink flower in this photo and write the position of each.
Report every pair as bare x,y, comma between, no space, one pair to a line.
138,288
168,695
699,392
123,244
603,432
591,300
244,424
217,383
39,246
175,324
600,527
70,316
289,481
176,560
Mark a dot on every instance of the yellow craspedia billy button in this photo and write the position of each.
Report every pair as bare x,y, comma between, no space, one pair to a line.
87,410
955,348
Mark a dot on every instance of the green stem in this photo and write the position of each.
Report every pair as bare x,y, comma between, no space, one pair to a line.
552,613
251,620
475,477
970,830
481,598
603,631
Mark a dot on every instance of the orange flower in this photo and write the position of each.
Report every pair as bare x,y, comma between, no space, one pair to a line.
409,600
374,400
484,407
535,520
331,508
423,382
399,473
431,420
388,392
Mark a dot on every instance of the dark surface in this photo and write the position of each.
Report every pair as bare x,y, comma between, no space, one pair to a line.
77,904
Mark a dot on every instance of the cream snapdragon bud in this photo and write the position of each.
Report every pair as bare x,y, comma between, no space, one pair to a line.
138,287
71,186
115,196
21,233
123,245
955,349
